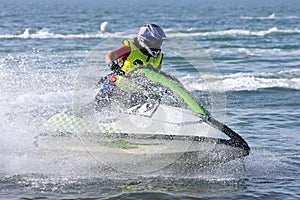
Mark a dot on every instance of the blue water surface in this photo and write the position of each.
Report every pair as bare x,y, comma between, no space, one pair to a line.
255,48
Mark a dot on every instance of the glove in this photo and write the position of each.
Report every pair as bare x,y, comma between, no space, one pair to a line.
114,66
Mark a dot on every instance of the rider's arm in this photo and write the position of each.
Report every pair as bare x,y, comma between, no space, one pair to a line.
121,52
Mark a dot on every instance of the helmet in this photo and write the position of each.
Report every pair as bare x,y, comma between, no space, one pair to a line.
151,36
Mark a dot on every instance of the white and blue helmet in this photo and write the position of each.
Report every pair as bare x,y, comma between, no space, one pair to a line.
151,36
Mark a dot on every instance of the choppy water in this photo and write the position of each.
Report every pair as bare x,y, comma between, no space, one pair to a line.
254,45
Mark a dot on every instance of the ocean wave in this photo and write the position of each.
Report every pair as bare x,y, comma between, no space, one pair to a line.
277,51
270,17
46,34
237,32
286,79
171,33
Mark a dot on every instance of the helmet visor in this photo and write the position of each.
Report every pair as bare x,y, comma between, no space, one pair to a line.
153,43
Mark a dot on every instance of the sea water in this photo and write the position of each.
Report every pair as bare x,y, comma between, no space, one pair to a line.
255,50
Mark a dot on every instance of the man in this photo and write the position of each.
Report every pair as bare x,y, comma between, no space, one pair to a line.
145,49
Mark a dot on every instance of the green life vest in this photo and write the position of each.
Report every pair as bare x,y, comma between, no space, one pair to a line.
137,58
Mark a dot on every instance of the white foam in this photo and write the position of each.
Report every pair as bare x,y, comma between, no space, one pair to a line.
46,34
236,32
259,52
270,17
289,79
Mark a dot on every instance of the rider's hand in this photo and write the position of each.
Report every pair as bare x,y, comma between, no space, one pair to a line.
114,66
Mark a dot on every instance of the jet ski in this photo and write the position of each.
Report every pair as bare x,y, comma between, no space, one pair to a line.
146,120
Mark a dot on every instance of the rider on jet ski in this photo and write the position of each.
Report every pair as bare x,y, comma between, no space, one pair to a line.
145,49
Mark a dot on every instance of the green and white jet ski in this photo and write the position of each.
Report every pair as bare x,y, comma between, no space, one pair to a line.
152,122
